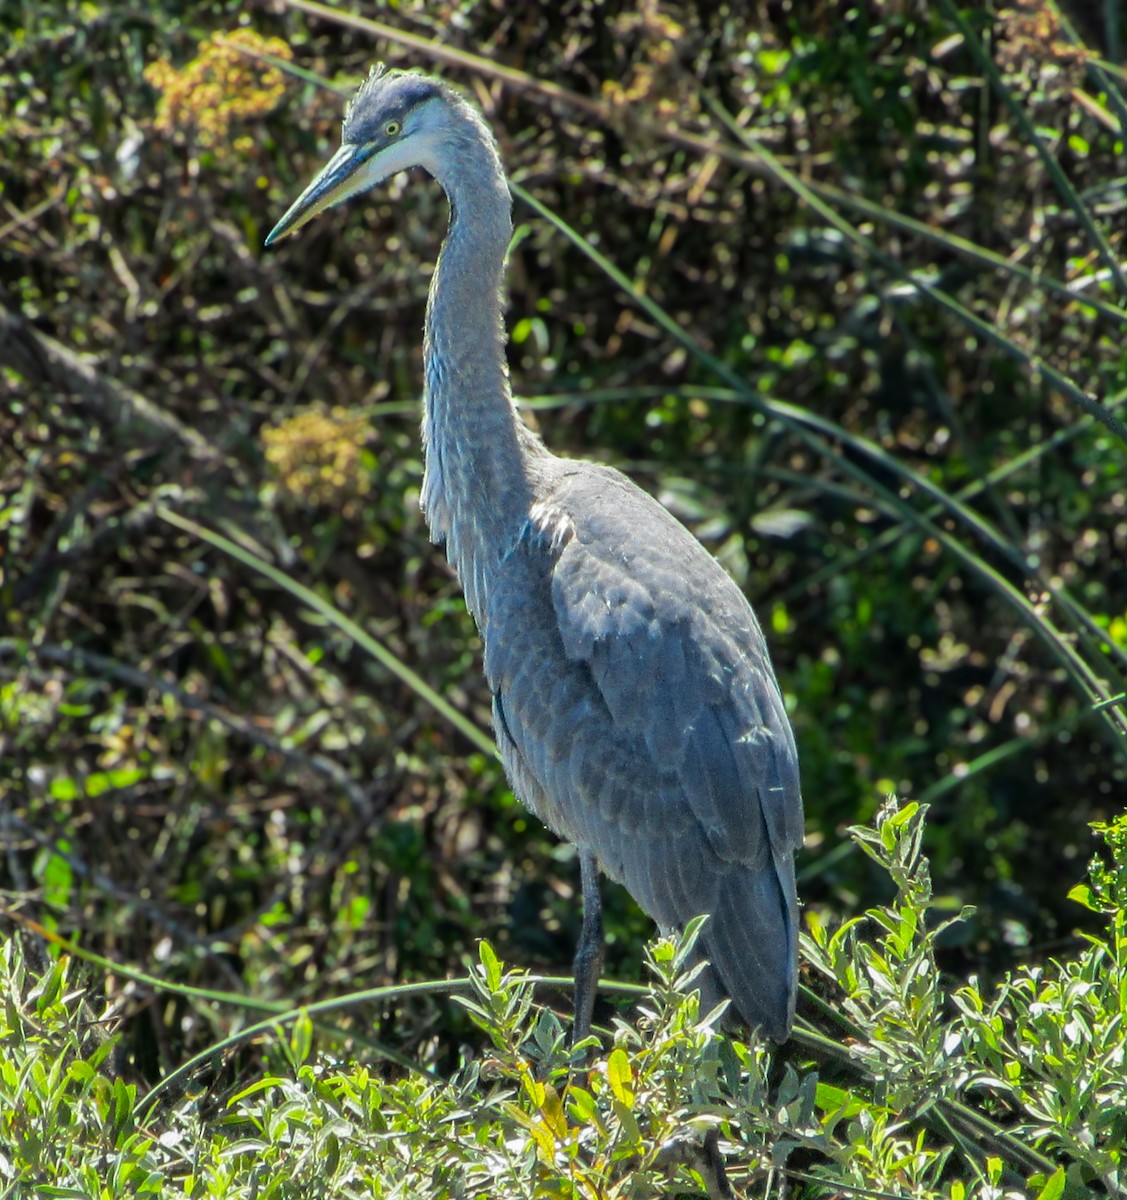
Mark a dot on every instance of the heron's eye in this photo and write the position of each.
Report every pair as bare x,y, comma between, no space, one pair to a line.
392,128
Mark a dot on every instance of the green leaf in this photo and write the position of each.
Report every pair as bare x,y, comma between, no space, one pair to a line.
301,1039
1082,894
1054,1186
65,789
81,1071
119,777
58,879
491,963
620,1077
834,1099
51,988
534,1089
552,1111
904,815
582,1104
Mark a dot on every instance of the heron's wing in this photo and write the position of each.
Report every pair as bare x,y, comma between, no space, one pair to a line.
639,717
679,659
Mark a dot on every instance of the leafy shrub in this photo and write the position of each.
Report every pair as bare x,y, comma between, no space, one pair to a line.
1018,1091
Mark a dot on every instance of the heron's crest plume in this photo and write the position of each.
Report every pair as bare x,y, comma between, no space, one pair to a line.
386,95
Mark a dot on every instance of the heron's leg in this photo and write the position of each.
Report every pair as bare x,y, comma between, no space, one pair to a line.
703,1156
589,952
717,1175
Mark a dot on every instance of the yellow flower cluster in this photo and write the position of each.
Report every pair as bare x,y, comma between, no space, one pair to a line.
316,458
226,81
658,34
1034,30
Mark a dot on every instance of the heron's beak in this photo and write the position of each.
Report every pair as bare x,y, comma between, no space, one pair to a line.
343,176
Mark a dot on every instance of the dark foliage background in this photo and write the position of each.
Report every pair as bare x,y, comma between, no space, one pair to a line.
200,775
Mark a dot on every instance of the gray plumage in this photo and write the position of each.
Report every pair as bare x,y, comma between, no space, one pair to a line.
634,702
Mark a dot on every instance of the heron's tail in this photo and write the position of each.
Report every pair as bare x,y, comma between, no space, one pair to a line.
751,942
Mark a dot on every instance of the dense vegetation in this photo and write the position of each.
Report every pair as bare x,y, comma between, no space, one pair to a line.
844,287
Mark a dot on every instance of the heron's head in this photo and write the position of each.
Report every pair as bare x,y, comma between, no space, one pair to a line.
396,121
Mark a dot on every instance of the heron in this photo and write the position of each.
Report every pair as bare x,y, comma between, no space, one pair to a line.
634,702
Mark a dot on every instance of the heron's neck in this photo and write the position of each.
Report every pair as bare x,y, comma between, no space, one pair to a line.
477,487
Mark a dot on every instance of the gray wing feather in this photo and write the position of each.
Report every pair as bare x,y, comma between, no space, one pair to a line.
638,716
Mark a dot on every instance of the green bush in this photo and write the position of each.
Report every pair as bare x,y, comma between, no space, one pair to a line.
1018,1090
